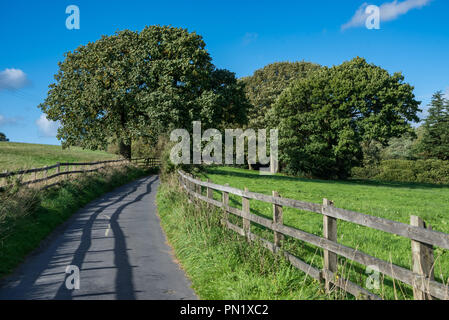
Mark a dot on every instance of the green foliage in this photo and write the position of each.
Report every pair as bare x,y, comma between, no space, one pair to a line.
167,166
371,152
324,119
3,137
403,147
435,140
135,85
266,84
419,171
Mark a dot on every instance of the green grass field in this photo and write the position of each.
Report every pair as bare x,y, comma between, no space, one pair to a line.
14,156
220,263
394,201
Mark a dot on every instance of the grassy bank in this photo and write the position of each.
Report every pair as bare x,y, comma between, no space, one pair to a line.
220,263
394,201
15,156
27,216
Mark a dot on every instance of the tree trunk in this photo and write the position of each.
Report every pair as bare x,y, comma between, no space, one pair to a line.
125,150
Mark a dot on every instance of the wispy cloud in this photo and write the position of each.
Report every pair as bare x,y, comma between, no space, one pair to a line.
47,128
13,79
388,11
249,37
4,121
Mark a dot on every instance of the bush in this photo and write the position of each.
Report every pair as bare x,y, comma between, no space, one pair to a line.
420,171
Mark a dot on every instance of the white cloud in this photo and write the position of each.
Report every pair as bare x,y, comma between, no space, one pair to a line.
13,79
388,11
446,93
47,128
8,121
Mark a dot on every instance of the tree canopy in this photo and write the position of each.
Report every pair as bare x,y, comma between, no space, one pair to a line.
435,140
3,137
324,119
266,84
134,85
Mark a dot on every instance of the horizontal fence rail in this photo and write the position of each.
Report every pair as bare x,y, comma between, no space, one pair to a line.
421,278
63,169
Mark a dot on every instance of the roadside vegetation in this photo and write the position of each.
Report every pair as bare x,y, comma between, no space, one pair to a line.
220,263
28,216
15,156
394,201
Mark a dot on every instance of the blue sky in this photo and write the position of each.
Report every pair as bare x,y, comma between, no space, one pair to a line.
241,36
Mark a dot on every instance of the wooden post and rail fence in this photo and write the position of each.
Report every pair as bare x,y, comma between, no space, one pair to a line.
422,237
48,173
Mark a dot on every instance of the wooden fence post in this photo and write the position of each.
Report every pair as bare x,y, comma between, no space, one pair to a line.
330,233
5,179
190,186
209,194
198,189
225,201
58,170
46,175
423,261
278,219
246,222
34,174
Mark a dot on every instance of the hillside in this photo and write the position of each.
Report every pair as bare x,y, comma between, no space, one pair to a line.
15,156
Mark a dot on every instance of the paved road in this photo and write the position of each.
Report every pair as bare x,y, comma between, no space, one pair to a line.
119,247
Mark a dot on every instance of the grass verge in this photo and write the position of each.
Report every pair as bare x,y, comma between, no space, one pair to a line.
27,216
220,263
394,201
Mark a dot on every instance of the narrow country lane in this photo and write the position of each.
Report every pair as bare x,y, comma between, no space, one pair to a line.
117,243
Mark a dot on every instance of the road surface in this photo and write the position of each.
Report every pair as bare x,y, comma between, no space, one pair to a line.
117,244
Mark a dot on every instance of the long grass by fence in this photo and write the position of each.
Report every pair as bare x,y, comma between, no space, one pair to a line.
42,176
422,238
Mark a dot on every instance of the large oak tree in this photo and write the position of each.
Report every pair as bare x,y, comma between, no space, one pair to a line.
134,85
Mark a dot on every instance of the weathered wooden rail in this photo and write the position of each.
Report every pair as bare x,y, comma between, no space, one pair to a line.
423,238
47,173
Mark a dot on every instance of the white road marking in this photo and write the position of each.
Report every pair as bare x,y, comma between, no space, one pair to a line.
107,230
109,225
